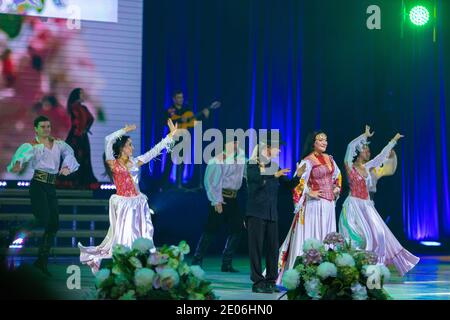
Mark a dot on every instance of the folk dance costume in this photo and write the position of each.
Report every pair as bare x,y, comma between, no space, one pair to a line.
46,164
223,179
129,213
387,168
314,218
360,222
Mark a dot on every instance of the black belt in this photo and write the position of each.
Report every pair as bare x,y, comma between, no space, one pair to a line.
44,177
229,193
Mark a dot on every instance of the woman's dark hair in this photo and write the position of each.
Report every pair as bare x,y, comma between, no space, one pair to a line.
309,143
73,97
117,149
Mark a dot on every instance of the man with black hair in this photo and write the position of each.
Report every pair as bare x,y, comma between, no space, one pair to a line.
223,179
44,153
264,177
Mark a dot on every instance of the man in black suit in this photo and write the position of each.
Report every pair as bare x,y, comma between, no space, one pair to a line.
264,177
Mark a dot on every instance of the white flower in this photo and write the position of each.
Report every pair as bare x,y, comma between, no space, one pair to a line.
385,272
291,279
312,288
326,269
312,244
344,260
143,245
359,292
101,276
198,272
169,278
120,249
157,259
143,278
184,247
135,262
175,251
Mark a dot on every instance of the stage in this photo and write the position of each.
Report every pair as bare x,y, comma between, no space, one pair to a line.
429,280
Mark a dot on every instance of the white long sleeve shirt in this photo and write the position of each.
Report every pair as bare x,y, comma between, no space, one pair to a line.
223,175
45,159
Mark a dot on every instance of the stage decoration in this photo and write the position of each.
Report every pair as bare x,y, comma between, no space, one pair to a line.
137,274
334,270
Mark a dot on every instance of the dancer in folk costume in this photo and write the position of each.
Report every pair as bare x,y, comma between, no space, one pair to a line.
314,199
360,222
129,213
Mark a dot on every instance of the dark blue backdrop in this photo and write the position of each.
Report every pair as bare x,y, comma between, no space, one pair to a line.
300,65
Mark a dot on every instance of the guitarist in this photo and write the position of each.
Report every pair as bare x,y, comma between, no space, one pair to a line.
176,112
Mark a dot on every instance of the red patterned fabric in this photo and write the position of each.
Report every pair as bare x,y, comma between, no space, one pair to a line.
358,186
321,178
123,181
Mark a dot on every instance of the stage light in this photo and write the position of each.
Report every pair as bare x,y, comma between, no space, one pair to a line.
17,244
108,187
3,183
23,184
430,243
419,15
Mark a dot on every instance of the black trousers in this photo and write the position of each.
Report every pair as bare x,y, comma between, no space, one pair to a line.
262,232
44,206
230,217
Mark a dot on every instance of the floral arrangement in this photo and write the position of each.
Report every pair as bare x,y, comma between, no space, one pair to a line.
142,272
333,270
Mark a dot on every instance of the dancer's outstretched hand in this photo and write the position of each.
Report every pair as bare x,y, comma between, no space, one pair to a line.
130,127
367,132
397,137
282,172
172,127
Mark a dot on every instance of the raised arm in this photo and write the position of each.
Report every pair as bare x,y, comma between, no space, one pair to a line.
388,167
111,139
23,155
353,146
166,143
384,154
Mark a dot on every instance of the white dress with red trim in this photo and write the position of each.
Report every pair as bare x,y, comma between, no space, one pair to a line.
129,213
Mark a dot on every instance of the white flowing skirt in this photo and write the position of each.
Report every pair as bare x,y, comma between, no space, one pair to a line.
362,224
130,219
320,220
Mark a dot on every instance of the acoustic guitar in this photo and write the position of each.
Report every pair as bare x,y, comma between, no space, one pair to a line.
187,119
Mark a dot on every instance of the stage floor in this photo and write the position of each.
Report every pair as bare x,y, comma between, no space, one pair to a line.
430,280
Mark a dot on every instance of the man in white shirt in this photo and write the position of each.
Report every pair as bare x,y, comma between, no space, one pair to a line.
223,179
44,155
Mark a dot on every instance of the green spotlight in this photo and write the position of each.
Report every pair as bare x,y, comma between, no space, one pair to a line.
419,15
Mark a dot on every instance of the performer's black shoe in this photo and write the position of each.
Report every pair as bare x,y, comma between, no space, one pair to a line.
261,288
42,266
273,287
229,268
